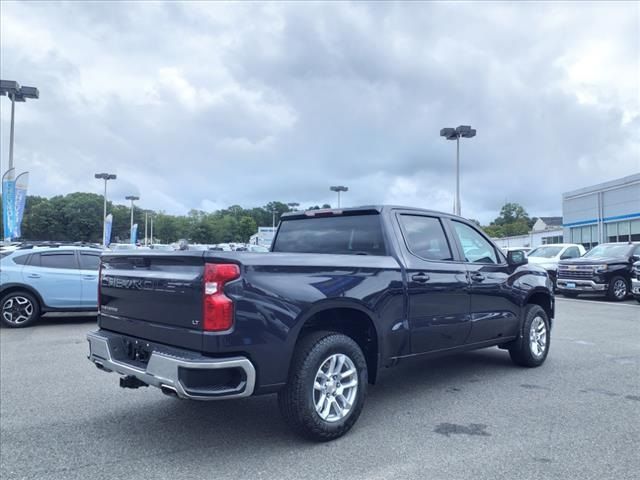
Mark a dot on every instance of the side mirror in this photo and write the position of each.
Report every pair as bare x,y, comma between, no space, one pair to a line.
515,258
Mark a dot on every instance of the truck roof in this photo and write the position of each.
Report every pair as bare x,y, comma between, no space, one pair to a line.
364,209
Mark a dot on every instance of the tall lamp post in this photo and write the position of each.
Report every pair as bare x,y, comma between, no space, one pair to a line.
16,93
106,177
464,131
132,198
339,188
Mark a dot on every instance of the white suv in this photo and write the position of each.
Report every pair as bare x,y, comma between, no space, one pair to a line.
548,256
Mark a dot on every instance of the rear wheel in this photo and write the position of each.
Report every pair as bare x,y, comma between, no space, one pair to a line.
19,309
618,289
326,388
532,349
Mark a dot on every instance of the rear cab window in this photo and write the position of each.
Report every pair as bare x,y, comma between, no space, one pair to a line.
336,234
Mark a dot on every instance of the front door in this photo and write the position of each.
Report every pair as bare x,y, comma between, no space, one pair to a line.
494,302
437,286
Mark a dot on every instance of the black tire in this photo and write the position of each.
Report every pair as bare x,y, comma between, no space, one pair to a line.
15,306
618,289
569,295
296,399
522,351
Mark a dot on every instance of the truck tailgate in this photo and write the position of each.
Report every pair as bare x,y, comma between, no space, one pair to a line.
165,290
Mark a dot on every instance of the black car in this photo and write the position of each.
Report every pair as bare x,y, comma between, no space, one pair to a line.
342,294
605,269
635,281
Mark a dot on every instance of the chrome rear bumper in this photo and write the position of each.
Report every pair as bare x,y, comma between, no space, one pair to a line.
172,370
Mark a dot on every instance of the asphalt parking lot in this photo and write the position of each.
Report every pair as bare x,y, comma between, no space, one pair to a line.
473,415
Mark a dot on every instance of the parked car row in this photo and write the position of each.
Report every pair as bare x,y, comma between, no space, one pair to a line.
607,268
36,279
40,279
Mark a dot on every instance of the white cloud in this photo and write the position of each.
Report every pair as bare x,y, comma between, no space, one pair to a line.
207,104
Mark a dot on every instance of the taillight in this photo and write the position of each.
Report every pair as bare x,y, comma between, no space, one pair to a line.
217,308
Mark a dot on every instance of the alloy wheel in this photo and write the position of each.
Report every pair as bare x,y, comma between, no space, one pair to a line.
538,337
620,289
17,310
335,387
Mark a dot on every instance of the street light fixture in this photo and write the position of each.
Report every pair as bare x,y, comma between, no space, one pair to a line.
132,198
16,93
339,188
464,131
106,177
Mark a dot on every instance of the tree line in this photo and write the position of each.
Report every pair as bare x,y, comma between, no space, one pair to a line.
78,217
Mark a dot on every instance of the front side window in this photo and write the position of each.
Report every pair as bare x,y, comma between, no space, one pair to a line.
475,247
425,237
572,252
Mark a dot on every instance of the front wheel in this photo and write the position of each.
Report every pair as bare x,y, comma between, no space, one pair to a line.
326,388
618,289
532,349
19,309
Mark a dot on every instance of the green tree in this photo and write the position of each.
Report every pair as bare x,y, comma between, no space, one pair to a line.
513,220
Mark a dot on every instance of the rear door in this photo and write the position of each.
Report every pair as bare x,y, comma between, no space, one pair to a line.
89,265
437,285
494,304
56,277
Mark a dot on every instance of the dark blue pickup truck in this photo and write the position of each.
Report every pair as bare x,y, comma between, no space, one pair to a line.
342,294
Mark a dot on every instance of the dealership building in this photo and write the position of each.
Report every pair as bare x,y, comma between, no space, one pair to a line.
607,212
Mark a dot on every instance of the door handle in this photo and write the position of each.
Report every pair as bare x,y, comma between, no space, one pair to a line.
33,275
420,277
477,277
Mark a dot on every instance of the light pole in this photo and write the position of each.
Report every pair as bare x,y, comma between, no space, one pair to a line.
151,219
464,131
16,93
339,188
132,198
293,205
273,218
106,177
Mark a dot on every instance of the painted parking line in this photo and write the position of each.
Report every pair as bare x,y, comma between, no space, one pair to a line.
596,302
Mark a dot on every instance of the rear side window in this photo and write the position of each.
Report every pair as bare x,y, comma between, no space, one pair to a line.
344,234
89,261
20,259
55,260
425,237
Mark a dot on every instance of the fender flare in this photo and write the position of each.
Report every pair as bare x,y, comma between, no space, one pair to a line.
332,304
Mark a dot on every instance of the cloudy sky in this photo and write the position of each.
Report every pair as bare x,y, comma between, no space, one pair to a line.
203,105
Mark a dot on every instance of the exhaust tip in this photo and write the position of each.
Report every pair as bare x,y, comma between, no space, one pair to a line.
168,390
